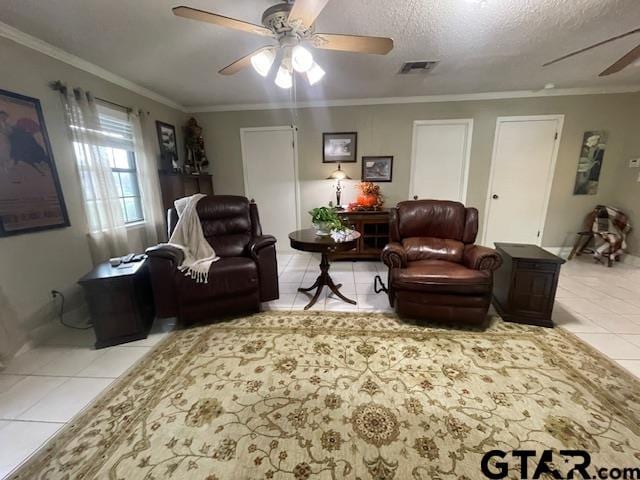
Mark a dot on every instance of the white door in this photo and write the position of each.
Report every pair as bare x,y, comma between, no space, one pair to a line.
270,177
440,159
524,156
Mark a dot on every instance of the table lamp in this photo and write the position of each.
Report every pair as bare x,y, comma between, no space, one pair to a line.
338,175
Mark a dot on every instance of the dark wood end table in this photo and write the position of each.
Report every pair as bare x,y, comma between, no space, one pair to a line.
307,241
525,285
120,302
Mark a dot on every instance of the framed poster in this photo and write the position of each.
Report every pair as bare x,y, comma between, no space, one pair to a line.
30,195
168,146
377,169
340,147
592,151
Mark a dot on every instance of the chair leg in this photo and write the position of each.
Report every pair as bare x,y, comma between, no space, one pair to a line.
581,243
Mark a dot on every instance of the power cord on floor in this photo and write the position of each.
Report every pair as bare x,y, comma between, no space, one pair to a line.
54,295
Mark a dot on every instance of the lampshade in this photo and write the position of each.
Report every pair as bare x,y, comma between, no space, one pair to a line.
263,61
284,78
315,74
301,59
338,175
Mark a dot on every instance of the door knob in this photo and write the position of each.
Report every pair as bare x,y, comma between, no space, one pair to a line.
495,196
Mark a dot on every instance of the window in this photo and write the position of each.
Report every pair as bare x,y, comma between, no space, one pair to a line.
113,143
123,166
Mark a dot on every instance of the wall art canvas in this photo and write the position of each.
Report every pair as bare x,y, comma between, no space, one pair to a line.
592,152
168,146
30,195
340,147
377,169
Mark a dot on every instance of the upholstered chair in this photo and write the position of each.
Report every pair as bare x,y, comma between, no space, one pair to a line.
245,275
435,270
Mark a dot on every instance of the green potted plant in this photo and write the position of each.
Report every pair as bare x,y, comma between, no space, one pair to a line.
325,220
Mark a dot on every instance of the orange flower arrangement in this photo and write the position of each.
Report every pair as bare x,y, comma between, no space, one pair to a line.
370,197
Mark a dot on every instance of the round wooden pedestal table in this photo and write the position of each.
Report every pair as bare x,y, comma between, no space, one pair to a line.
308,241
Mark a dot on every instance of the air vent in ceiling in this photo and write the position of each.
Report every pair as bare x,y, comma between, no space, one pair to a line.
417,67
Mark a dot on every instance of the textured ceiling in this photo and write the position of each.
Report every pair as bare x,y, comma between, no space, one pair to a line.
498,46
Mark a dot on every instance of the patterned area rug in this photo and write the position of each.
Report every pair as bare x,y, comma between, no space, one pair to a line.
358,396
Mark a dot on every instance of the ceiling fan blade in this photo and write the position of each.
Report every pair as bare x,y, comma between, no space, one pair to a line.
201,15
305,12
353,43
590,47
623,63
240,64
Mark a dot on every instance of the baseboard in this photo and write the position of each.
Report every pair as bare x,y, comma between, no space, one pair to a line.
46,321
563,252
631,260
78,316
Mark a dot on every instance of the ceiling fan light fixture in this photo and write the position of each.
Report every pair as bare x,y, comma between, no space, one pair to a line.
315,74
263,61
301,59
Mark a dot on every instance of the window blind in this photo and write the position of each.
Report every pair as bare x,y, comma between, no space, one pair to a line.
116,130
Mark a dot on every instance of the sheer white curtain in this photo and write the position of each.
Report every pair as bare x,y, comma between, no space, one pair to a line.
12,334
148,177
107,231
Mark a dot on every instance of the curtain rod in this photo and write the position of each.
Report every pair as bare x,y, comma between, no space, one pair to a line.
61,87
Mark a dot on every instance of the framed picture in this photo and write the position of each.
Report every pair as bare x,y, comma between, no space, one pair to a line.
377,169
30,195
168,146
594,145
340,147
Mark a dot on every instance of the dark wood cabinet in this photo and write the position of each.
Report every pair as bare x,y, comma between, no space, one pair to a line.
120,302
178,185
374,234
525,285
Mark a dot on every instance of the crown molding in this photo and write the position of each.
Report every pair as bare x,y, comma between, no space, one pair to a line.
465,97
29,41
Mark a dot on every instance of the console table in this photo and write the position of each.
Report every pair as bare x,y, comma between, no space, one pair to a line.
373,227
525,285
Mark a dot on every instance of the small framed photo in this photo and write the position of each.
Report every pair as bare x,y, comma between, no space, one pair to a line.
377,169
340,147
168,145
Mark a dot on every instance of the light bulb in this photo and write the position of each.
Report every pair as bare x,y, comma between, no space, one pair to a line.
302,59
315,74
262,61
284,78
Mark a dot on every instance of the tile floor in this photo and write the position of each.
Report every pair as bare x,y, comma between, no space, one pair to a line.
43,388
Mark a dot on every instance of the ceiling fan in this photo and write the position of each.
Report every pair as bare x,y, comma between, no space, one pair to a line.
291,24
624,62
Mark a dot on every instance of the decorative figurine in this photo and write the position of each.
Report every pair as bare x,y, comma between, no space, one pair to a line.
196,157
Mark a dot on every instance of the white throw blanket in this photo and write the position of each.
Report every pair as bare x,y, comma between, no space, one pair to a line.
188,237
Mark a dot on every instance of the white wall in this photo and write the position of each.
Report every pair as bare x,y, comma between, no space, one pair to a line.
387,130
33,264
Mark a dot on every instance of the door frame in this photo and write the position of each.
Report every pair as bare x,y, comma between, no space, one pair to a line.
467,156
243,131
550,173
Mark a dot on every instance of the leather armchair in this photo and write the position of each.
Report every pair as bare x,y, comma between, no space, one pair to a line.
245,275
435,270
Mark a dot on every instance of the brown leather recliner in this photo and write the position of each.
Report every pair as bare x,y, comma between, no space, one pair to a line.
245,275
435,270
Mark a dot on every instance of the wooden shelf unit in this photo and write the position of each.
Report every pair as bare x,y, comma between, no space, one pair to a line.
178,185
373,227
